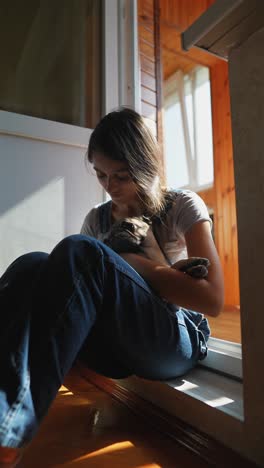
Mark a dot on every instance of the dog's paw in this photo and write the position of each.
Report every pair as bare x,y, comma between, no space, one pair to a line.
197,267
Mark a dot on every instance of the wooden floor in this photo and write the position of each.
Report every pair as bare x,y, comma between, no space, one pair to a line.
87,428
227,325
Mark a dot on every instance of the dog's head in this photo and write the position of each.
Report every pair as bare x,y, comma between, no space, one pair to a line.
127,234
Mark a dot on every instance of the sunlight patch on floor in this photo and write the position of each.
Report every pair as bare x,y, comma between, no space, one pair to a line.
106,450
65,391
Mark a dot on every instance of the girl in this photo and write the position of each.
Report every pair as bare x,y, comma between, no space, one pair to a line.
121,314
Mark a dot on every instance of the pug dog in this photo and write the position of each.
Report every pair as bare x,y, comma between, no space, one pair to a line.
127,235
133,235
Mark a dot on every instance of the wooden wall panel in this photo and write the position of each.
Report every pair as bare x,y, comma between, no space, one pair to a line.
147,49
225,209
208,197
147,65
150,63
149,111
159,73
146,10
146,33
148,81
160,23
179,14
149,96
175,17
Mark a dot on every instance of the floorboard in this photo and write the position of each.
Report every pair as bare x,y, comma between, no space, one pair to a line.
85,427
227,325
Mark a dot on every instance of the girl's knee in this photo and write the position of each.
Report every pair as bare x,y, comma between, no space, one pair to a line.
26,262
78,245
77,241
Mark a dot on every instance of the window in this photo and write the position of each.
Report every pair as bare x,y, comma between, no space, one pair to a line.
189,164
40,152
188,130
50,60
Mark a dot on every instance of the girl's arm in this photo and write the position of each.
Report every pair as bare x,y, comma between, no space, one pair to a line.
201,295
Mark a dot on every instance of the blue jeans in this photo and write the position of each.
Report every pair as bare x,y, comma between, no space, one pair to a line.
83,301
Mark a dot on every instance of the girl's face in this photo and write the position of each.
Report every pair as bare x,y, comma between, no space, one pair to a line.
115,178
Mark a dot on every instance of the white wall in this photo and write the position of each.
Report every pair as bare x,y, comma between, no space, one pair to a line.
45,187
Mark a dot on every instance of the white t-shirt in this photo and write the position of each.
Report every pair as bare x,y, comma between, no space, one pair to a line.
168,244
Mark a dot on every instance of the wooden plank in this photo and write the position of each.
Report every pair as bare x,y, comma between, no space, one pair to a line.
148,25
170,40
159,81
145,7
208,197
173,61
149,111
147,49
225,219
73,436
145,10
180,14
176,16
146,33
206,449
148,81
147,65
148,96
227,325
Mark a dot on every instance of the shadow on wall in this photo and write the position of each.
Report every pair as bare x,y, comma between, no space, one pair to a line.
46,191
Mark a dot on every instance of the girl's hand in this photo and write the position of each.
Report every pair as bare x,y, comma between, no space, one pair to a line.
197,267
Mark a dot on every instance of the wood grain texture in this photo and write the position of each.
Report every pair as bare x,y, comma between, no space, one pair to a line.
227,326
225,199
150,65
147,65
87,427
206,449
208,197
161,54
148,81
175,17
159,75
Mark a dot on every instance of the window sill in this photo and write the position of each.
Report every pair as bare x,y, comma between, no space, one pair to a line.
201,409
224,357
25,126
215,390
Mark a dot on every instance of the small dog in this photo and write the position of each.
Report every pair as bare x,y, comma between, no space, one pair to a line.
128,235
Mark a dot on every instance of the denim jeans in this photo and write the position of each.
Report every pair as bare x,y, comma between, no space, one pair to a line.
83,301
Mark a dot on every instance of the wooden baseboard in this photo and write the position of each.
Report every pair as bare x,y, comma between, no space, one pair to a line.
210,450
